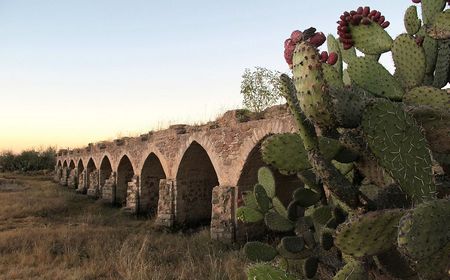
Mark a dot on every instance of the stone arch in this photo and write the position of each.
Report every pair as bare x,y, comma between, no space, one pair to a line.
80,166
249,176
59,163
105,170
65,164
91,168
152,172
195,180
72,164
125,173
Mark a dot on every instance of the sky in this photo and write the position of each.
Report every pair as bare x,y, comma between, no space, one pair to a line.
75,72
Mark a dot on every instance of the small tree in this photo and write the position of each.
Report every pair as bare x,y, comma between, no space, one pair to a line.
260,88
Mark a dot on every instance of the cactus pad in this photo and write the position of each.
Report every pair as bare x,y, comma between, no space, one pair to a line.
259,252
249,199
310,84
261,198
266,179
333,46
369,234
353,270
310,267
275,148
393,263
371,38
441,26
293,244
326,239
249,215
278,223
279,207
397,141
437,266
332,76
261,271
373,77
306,197
409,60
412,21
430,9
430,96
442,64
425,230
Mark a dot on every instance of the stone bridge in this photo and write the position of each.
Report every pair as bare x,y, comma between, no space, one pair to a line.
184,175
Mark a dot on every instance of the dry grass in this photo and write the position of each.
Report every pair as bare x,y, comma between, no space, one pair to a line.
47,232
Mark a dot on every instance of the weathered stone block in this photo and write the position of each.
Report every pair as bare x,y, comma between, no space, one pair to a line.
223,214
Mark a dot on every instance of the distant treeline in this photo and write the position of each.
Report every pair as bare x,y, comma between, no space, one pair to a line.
28,160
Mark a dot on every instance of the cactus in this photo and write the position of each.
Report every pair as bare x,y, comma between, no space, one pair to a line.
259,251
369,234
366,150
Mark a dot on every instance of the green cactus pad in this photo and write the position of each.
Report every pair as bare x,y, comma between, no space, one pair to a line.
374,57
259,252
354,270
310,267
430,47
261,198
346,78
412,21
333,46
326,239
430,9
311,85
320,216
279,207
425,230
306,197
249,215
310,241
373,77
348,105
332,76
441,27
250,200
394,263
278,223
409,60
276,148
397,141
266,179
436,267
295,211
293,244
261,271
369,234
430,96
371,38
442,64
347,55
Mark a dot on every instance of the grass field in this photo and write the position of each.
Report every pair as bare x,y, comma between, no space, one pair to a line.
49,232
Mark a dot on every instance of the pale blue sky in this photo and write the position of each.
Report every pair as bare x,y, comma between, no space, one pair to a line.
73,72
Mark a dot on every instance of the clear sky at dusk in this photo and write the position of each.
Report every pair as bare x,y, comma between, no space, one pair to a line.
74,72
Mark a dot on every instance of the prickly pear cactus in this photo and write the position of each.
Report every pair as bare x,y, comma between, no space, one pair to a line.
368,149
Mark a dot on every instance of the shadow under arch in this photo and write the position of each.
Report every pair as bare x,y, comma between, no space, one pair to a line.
125,173
285,186
105,170
195,180
152,172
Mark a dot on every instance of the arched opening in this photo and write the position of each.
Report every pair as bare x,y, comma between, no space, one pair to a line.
65,164
72,165
125,173
59,163
152,172
195,180
72,179
285,185
249,177
90,171
105,171
80,167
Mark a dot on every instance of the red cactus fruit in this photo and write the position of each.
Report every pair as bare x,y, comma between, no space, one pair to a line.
323,56
332,58
366,11
296,36
416,1
317,39
385,24
419,40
